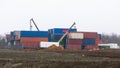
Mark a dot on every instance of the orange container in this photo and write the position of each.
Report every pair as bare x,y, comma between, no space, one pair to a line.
29,39
99,41
90,34
74,47
31,45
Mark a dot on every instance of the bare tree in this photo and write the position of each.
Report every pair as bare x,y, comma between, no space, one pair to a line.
113,38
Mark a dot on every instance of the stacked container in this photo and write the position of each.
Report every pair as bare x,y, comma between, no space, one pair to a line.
99,39
56,33
29,39
8,37
12,38
32,42
83,40
89,40
74,40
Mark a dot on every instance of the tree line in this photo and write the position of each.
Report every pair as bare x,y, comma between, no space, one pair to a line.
111,38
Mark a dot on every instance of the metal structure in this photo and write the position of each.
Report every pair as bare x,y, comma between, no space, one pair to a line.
31,20
66,32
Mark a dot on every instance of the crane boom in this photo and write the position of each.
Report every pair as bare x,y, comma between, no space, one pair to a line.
66,33
34,24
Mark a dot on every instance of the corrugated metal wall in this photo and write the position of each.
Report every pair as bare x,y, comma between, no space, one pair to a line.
56,33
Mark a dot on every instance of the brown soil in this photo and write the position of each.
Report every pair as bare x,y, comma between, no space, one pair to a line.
60,59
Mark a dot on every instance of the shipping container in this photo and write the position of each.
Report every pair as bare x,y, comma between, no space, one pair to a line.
57,33
88,41
8,37
100,36
48,44
90,34
49,35
74,47
62,43
32,42
33,39
111,45
61,31
17,45
74,44
89,47
57,37
12,42
99,41
34,34
30,45
74,41
75,35
12,36
17,35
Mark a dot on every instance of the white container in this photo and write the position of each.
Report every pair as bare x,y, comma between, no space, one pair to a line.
111,45
76,35
17,35
16,32
48,44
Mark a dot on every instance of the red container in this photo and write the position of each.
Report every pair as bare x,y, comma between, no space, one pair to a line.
99,41
91,47
74,41
31,45
16,43
74,47
29,39
17,37
90,34
8,36
74,44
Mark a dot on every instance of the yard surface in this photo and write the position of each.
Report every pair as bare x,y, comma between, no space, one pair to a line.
59,59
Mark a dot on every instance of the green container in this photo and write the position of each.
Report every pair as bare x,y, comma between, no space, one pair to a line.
104,47
62,43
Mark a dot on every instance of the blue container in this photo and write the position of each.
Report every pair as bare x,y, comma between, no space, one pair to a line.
50,35
34,34
100,36
56,37
88,41
61,31
12,35
12,43
56,33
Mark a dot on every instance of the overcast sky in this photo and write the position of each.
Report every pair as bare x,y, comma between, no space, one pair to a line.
102,16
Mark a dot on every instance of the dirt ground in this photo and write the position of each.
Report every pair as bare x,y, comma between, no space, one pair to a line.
59,59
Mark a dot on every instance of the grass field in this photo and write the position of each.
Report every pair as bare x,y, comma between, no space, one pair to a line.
60,59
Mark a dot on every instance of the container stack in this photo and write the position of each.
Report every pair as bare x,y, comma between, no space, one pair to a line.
89,41
29,39
8,37
83,40
56,33
99,39
43,39
12,38
74,41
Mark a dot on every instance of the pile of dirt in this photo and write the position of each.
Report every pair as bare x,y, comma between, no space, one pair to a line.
54,47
